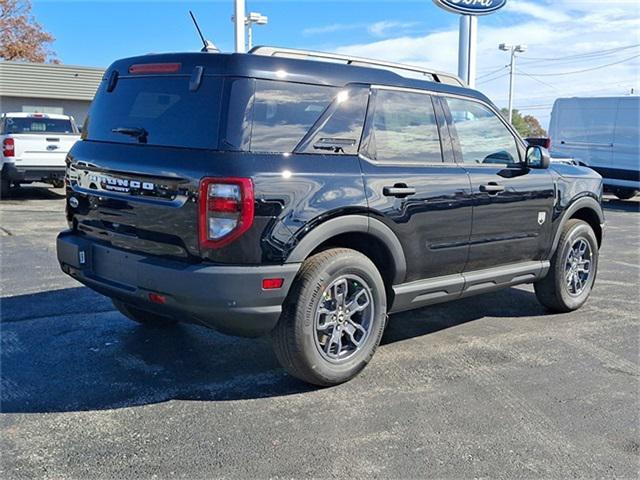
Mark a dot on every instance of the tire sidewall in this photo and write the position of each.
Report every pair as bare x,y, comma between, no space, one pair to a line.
580,230
625,193
309,300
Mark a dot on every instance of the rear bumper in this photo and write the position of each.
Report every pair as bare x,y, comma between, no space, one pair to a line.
226,298
29,173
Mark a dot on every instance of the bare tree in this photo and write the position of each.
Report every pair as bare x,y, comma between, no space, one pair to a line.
21,37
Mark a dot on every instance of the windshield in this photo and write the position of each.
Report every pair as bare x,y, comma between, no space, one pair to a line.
157,110
38,125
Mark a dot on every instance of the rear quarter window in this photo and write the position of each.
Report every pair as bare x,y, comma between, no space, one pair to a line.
283,113
271,116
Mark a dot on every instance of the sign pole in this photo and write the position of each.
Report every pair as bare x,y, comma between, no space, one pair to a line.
468,33
473,49
467,48
463,47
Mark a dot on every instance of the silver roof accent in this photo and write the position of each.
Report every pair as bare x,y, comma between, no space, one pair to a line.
418,72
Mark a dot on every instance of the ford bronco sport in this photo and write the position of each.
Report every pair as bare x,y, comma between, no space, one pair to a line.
279,193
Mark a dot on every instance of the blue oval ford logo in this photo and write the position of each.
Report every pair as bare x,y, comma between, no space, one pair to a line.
471,7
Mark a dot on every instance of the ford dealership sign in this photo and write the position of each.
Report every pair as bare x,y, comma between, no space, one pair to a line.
471,7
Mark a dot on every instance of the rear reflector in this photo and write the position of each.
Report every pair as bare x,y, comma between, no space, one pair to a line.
140,68
272,283
8,147
157,298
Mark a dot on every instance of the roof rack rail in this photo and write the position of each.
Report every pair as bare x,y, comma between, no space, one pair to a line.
418,72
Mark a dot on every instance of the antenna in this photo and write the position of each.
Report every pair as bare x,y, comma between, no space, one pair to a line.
208,46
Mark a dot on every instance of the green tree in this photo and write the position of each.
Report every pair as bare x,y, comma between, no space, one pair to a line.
21,37
526,125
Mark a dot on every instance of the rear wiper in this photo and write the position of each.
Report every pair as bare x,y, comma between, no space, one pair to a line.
139,133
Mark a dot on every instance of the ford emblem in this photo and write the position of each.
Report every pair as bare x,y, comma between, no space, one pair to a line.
471,7
73,202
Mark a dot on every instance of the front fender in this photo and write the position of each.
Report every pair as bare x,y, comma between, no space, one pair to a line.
589,203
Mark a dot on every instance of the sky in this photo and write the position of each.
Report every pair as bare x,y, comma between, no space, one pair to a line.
574,48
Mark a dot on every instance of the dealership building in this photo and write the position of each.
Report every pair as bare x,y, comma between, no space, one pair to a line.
48,88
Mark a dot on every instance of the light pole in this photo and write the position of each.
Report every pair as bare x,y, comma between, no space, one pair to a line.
251,19
513,49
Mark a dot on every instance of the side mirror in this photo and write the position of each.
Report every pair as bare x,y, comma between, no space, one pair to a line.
537,157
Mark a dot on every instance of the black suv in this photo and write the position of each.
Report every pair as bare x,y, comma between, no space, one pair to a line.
308,196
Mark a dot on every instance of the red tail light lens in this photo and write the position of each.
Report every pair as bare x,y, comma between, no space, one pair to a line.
148,68
226,210
157,298
8,147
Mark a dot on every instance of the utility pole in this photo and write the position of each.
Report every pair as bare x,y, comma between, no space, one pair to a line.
238,21
512,49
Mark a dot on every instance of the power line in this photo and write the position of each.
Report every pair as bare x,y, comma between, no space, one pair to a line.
584,70
520,72
492,79
575,62
573,58
585,54
491,73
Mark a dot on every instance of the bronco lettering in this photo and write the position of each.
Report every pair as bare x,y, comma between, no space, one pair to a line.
120,184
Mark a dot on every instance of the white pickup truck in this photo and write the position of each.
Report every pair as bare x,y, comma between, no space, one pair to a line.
34,147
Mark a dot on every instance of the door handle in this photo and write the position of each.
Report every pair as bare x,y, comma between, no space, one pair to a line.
492,188
399,190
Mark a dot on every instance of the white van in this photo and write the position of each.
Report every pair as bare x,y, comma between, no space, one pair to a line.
601,133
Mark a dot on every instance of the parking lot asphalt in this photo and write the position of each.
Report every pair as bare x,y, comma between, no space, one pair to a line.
490,386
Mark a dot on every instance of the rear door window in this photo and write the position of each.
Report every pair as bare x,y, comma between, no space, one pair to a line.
163,106
404,129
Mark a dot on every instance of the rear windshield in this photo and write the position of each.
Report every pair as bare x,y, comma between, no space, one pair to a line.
163,108
37,125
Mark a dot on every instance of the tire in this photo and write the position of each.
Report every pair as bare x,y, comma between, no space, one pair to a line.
554,291
625,193
141,316
5,186
328,282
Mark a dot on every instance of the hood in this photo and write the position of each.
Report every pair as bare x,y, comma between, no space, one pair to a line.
566,170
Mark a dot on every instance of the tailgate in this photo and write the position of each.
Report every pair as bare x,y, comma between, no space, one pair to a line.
140,198
43,149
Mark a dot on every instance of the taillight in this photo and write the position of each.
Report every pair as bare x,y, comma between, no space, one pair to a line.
8,147
226,210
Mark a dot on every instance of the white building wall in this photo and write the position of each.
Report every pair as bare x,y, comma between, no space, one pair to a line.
76,108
